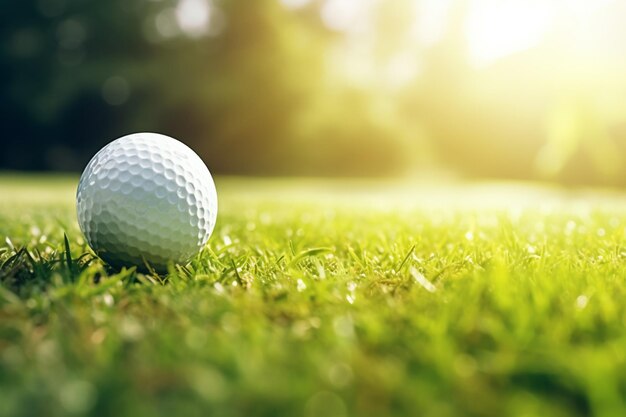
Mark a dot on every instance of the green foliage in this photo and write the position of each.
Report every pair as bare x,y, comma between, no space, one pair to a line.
267,88
323,299
253,97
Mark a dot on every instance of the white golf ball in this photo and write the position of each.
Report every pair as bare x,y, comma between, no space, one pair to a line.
146,199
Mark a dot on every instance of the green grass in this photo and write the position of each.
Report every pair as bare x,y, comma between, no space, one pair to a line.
324,299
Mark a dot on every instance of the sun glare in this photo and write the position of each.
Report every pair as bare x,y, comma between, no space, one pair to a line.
496,29
493,29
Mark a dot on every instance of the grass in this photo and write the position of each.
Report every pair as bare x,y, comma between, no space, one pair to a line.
324,299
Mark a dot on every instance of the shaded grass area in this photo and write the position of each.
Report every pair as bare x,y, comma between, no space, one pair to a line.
324,299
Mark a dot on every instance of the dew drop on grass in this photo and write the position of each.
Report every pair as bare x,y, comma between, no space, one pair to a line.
421,280
108,299
300,286
582,301
219,288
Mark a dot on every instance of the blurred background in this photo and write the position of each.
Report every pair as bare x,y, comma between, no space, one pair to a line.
507,89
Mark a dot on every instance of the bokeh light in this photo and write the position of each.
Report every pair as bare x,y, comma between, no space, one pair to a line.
506,89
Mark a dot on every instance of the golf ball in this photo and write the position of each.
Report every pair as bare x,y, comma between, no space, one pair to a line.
146,199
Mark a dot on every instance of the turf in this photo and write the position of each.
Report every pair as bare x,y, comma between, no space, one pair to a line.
328,299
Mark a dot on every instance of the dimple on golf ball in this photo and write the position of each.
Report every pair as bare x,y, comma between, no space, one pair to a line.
146,200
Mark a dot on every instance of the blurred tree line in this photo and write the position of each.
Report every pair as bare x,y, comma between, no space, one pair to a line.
249,86
78,73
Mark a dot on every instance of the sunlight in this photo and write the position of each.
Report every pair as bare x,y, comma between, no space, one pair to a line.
295,4
493,29
345,15
496,29
430,21
401,69
193,16
368,56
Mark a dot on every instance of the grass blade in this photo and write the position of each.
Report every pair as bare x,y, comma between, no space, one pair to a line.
68,255
308,253
406,258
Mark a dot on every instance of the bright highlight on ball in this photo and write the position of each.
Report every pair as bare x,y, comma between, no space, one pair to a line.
146,200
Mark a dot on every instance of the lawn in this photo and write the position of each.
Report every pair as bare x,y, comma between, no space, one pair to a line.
324,298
